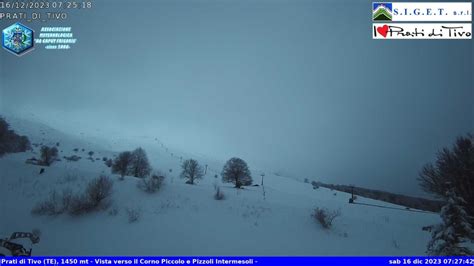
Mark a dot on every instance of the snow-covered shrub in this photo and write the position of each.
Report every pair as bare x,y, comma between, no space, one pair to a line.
48,155
98,190
80,205
449,237
50,206
93,198
133,215
56,203
151,184
66,199
325,217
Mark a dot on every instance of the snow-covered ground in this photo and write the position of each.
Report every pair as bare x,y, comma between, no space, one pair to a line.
185,219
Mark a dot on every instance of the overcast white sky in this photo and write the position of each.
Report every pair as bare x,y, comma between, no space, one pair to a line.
297,86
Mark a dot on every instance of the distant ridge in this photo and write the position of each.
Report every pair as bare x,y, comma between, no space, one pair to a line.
403,200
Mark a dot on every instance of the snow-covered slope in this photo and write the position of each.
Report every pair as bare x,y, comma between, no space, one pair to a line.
185,219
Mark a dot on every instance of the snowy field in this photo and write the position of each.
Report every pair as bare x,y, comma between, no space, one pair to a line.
184,219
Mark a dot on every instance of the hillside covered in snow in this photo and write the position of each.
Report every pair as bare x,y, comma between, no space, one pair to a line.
183,219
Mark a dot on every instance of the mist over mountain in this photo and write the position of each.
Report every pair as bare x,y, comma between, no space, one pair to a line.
288,87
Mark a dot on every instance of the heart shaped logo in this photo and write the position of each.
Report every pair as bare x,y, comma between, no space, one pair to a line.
383,30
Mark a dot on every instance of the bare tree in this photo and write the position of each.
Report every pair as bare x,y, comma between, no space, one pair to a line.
236,171
121,164
139,165
191,170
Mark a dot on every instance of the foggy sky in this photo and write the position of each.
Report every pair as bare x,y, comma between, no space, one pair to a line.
293,86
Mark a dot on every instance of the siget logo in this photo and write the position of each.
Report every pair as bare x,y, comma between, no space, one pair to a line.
382,11
453,20
18,39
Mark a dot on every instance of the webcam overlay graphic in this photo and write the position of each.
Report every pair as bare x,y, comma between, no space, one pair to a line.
455,15
18,39
382,11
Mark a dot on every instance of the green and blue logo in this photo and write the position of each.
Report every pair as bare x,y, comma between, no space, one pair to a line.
381,11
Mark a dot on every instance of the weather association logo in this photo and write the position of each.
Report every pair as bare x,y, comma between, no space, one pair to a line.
382,11
18,39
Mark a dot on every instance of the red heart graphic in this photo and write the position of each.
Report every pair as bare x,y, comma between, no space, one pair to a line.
383,30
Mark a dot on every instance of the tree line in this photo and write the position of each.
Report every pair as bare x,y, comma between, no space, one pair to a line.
135,163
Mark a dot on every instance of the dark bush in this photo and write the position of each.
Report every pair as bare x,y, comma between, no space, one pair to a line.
51,206
48,155
94,196
139,164
80,205
133,215
121,164
109,163
325,217
219,195
151,184
453,169
98,190
73,158
10,142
